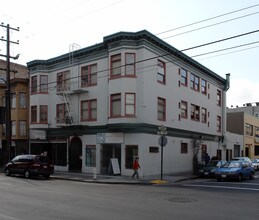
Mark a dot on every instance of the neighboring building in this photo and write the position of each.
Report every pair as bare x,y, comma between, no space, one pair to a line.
251,108
107,101
19,84
245,124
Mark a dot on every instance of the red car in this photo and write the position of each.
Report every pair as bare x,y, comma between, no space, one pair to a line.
29,165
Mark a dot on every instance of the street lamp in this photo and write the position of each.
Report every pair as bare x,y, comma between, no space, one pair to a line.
162,141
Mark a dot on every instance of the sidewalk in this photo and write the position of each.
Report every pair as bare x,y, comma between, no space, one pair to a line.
118,179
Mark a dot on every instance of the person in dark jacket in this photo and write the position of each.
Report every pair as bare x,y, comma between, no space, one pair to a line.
207,158
135,167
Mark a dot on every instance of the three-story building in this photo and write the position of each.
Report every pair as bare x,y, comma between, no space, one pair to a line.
101,106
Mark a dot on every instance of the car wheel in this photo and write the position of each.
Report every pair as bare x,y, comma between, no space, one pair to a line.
27,174
46,176
7,172
252,176
239,177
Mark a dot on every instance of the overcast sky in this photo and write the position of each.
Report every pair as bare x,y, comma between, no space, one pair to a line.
49,27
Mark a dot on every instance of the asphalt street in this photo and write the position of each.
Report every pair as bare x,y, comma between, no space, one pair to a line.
60,199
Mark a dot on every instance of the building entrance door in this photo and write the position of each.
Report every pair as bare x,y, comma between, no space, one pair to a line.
75,155
109,151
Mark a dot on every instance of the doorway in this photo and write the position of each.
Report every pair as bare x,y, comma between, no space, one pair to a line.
75,155
109,151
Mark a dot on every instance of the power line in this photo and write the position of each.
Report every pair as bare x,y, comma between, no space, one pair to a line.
210,25
229,48
217,41
211,18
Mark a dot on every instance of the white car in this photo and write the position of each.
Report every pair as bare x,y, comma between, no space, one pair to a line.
255,163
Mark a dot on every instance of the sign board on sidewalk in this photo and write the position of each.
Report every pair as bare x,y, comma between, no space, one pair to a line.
114,165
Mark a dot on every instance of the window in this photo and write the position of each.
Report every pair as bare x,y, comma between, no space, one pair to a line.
195,112
204,86
161,109
184,148
90,155
63,81
161,71
184,109
218,123
203,115
89,75
256,131
89,110
61,114
44,84
256,150
116,65
13,128
130,64
115,105
131,152
33,114
183,77
22,99
13,100
248,129
130,104
34,84
195,82
218,97
43,114
22,128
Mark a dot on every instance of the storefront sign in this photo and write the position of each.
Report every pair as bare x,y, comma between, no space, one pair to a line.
109,138
38,134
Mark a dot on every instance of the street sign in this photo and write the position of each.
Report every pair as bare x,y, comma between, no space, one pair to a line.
162,141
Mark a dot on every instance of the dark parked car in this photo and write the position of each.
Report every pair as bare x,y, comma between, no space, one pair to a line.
29,165
208,169
235,170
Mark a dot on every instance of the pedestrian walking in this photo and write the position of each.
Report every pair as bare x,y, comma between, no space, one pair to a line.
207,158
135,168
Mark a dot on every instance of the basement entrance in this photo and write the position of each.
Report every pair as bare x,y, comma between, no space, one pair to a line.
75,155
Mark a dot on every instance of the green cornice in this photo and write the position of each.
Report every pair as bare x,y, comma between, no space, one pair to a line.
125,128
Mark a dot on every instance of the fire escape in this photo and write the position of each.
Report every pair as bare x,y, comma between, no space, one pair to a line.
68,85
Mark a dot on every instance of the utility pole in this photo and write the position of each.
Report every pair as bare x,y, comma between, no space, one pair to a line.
8,87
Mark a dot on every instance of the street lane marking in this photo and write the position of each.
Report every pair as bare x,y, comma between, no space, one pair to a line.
2,216
222,187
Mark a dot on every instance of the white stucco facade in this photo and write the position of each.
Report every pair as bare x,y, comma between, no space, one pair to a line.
139,130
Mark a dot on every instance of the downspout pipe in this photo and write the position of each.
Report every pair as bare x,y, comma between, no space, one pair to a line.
224,115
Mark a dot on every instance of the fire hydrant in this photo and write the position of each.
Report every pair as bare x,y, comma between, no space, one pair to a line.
94,174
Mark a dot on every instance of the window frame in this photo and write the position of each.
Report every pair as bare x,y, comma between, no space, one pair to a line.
184,79
34,84
195,82
203,86
195,112
115,65
203,115
22,100
131,105
161,109
184,111
115,98
44,112
219,97
161,71
34,116
129,73
219,124
22,128
43,85
87,107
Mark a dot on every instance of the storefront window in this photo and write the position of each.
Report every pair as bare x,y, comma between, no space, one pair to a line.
90,155
131,153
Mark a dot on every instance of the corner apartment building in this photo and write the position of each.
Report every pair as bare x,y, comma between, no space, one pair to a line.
245,122
19,83
101,106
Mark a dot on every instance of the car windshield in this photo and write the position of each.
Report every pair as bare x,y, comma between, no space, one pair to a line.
232,164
